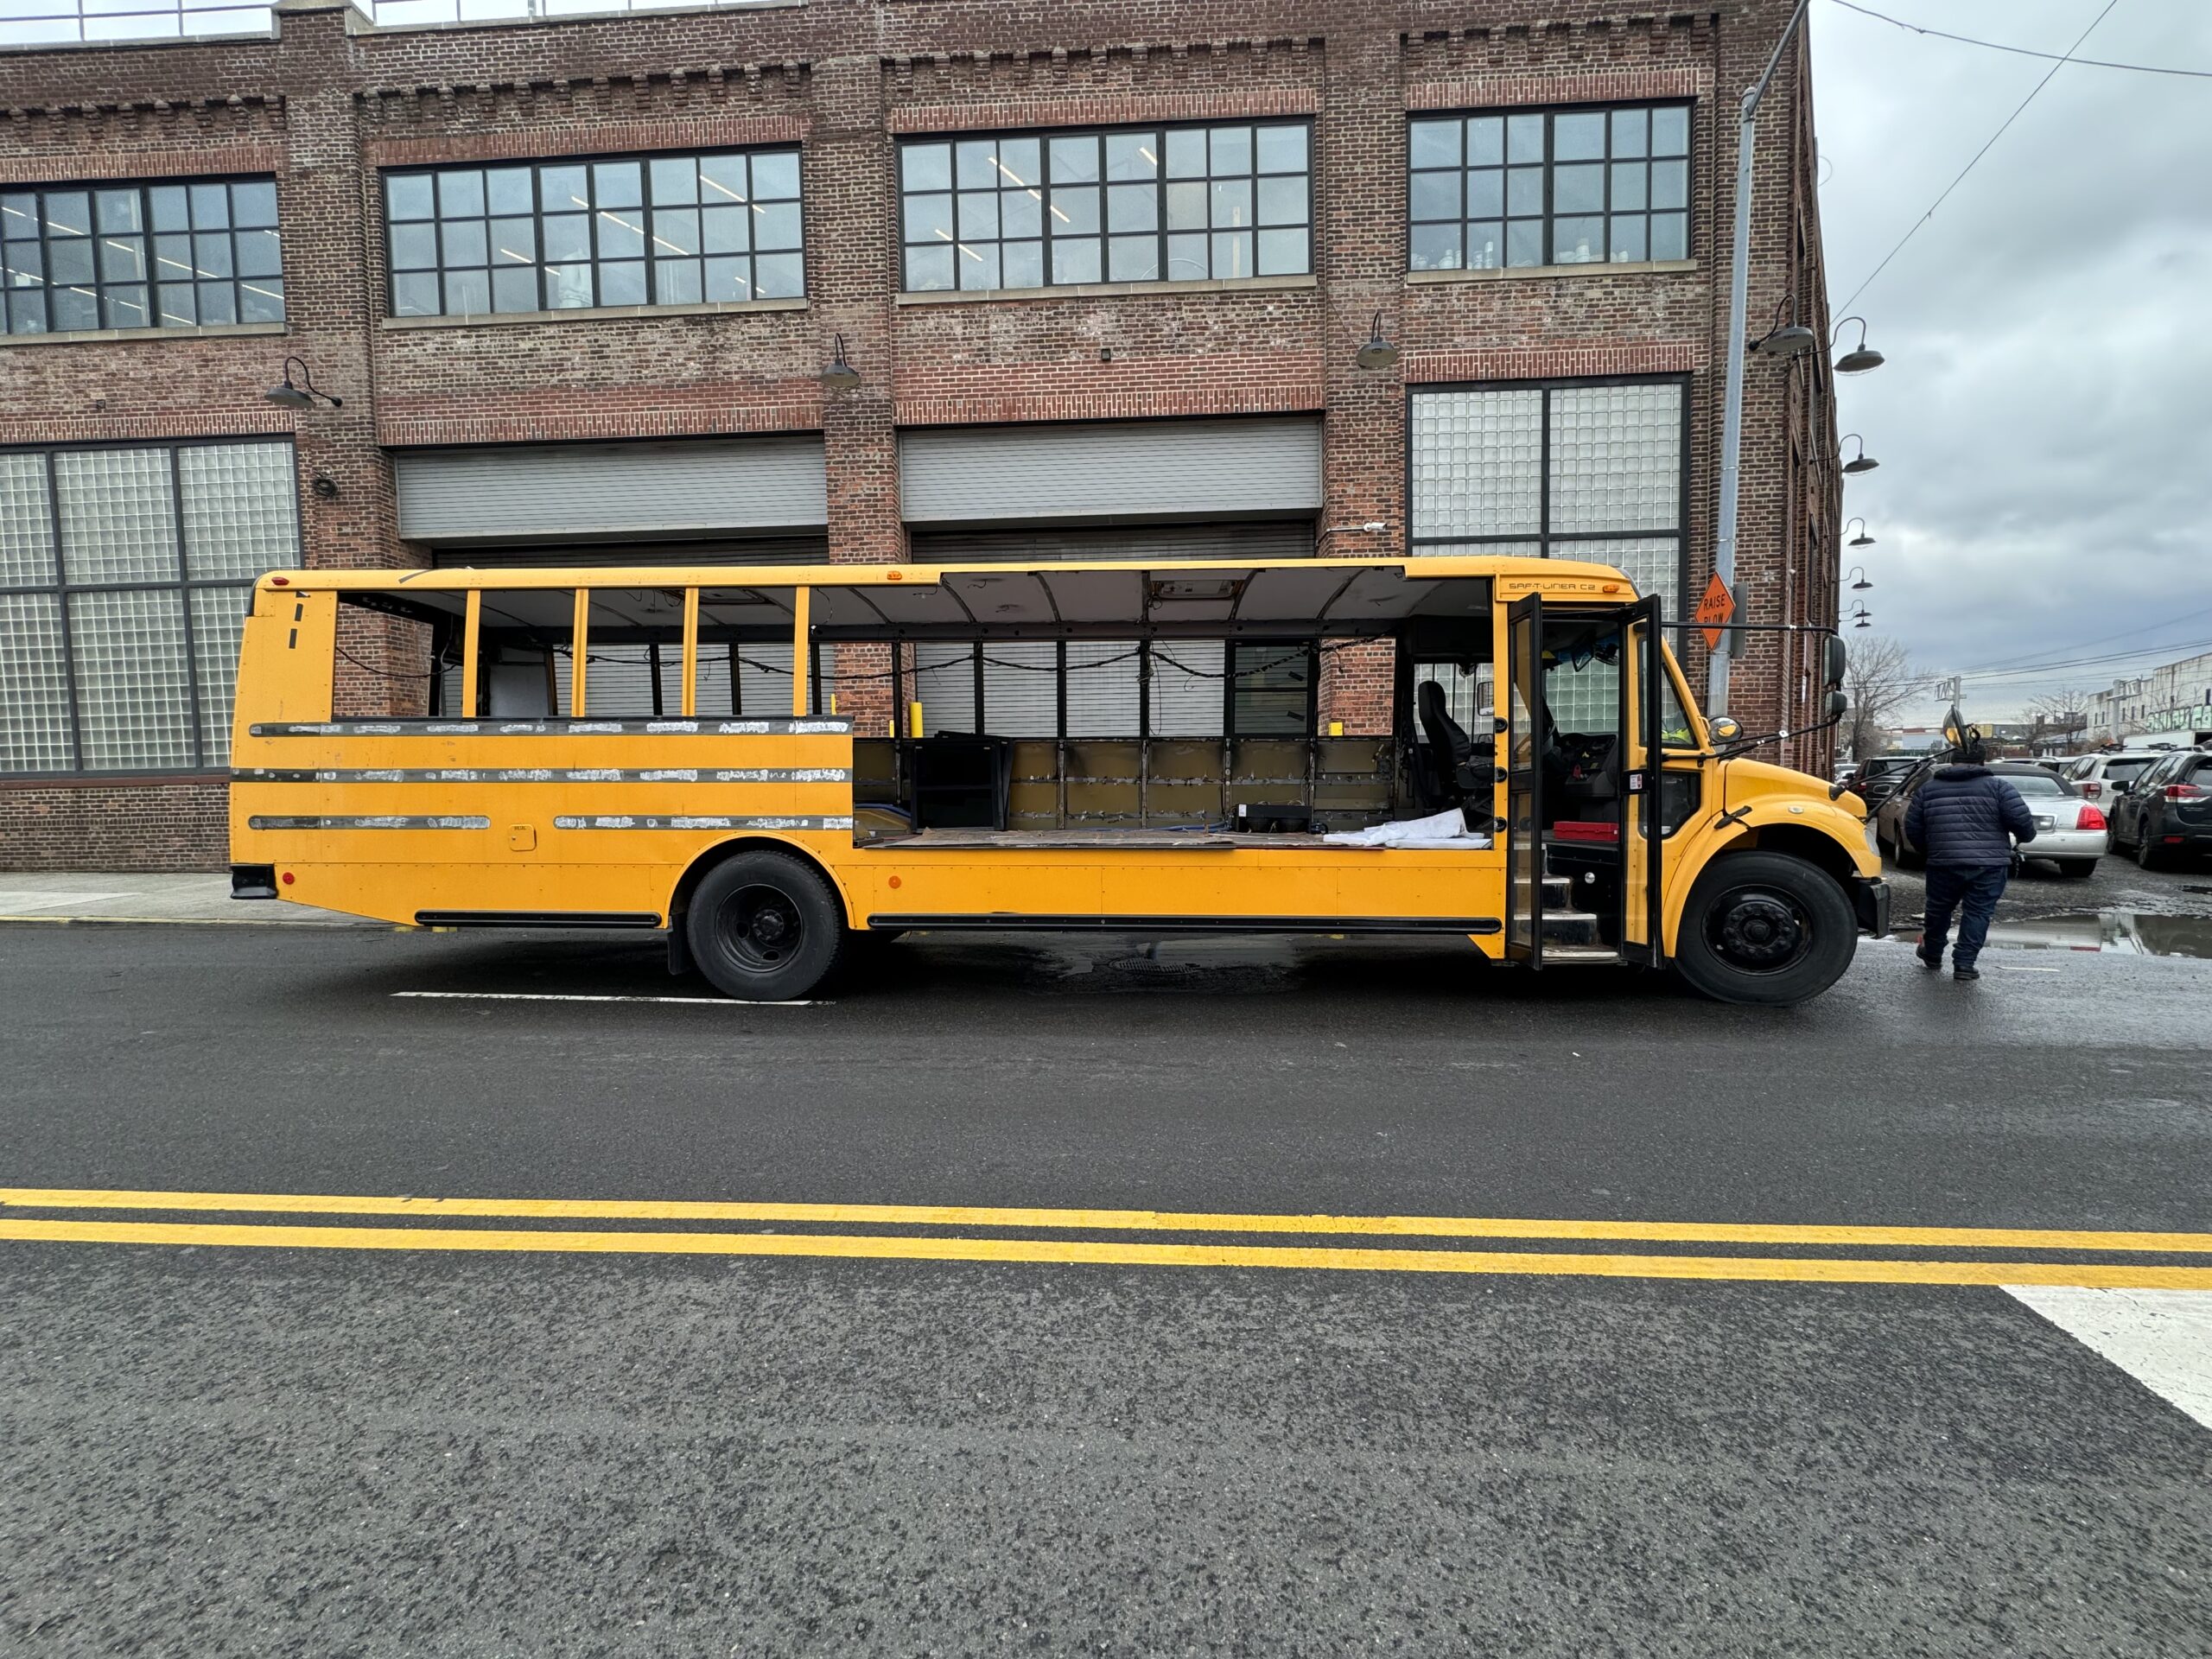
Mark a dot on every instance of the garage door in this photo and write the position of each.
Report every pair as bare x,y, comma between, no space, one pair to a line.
591,491
1123,470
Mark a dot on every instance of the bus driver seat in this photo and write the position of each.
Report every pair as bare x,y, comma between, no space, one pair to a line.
1459,773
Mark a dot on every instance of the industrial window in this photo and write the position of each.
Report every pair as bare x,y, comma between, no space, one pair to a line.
553,236
1569,470
1549,187
125,576
74,257
1132,205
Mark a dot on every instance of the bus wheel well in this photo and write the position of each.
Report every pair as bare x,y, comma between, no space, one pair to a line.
1798,841
679,950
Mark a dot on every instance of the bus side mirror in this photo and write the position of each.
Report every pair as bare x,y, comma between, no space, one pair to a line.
1838,704
1835,661
1725,728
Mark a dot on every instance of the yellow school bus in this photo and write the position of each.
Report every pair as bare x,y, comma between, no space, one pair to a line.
773,764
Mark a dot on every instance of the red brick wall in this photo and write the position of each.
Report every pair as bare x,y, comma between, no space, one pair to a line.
141,824
323,109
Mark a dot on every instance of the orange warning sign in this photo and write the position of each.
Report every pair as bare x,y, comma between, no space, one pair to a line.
1714,610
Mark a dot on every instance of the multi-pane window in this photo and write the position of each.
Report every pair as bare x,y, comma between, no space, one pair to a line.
1549,187
140,256
1572,470
1138,205
554,236
1127,688
125,576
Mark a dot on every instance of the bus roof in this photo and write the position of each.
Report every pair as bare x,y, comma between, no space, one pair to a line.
1547,574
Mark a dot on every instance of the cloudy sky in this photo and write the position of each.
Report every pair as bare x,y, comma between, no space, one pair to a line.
2044,421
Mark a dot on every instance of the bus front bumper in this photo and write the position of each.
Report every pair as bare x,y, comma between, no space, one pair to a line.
1870,901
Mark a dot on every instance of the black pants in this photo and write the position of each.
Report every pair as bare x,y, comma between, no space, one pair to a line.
1972,889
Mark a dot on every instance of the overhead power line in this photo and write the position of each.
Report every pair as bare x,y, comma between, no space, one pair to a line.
1978,155
2027,51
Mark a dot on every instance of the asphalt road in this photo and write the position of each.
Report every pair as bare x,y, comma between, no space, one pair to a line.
209,1448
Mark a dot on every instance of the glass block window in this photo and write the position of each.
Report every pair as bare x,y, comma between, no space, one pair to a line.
1548,187
125,575
554,236
1571,470
140,256
1129,205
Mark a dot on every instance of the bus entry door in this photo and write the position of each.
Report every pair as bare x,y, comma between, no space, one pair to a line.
1524,781
1643,836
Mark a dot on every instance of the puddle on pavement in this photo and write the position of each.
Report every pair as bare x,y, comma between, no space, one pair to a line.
2123,933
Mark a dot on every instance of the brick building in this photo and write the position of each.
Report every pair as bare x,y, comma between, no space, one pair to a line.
1105,272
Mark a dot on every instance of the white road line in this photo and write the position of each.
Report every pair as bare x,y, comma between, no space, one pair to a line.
547,996
2162,1338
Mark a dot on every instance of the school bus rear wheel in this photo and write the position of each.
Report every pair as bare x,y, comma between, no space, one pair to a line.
764,928
1765,928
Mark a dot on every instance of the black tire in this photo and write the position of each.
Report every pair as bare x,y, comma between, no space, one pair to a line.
2147,857
1765,929
1882,843
764,928
1909,858
2075,868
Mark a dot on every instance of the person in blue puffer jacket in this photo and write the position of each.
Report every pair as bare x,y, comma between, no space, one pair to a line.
1966,819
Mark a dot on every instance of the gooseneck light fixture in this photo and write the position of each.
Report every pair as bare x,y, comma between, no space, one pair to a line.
837,374
1862,540
1790,339
1861,357
1866,618
1861,462
303,395
1862,584
1377,352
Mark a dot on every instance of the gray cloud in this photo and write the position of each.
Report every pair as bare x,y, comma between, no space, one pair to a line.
2044,422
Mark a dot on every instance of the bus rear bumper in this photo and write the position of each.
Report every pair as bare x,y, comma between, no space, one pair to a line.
1870,901
253,880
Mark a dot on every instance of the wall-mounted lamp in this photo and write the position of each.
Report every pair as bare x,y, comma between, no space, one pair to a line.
1861,462
1862,540
1862,584
303,395
1372,527
1866,618
1377,352
1861,357
1790,339
838,375
325,486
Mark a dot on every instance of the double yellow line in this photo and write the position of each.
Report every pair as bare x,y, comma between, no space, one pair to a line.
413,1223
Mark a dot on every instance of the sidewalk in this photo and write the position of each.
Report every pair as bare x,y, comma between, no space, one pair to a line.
44,896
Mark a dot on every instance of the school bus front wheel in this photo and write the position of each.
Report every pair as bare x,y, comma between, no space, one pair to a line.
1765,928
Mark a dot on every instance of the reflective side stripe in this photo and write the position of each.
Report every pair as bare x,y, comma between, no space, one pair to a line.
542,775
785,727
446,823
625,820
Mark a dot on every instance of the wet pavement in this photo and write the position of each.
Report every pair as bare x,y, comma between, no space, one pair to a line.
211,1449
2120,909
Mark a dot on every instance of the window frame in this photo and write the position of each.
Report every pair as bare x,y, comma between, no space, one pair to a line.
61,589
1104,236
1550,113
650,264
1547,542
149,281
905,680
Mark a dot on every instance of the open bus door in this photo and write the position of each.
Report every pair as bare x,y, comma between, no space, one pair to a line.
1643,836
1524,781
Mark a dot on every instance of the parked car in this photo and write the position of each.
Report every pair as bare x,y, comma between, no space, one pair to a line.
2070,832
2101,776
1873,778
2166,812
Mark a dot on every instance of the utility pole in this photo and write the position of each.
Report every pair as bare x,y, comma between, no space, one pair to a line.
1731,424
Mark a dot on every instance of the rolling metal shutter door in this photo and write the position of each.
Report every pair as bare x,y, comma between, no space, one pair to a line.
1111,469
567,492
764,550
1230,544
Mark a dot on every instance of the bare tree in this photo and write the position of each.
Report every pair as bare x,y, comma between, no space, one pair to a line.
2051,707
1880,679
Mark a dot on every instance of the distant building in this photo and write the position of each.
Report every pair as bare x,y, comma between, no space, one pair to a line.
2170,704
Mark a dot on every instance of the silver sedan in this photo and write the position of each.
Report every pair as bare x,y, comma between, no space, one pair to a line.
2070,832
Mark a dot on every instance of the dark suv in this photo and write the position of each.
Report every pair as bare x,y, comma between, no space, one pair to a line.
1875,779
2166,812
